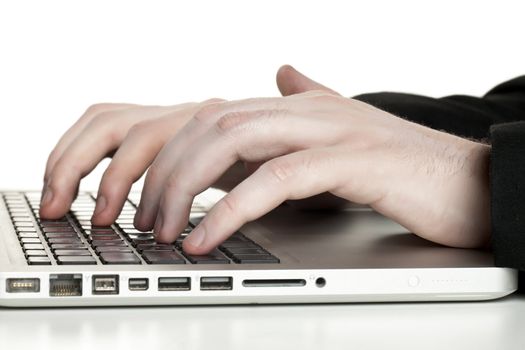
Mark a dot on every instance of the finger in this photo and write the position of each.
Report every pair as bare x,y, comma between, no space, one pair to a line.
77,128
102,135
178,147
233,139
291,82
293,176
136,153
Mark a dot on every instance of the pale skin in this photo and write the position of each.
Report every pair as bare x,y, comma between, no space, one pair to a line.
308,142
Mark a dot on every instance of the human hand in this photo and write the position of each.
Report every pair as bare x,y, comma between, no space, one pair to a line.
133,135
433,183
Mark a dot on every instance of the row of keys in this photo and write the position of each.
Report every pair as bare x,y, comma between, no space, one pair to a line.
25,229
120,243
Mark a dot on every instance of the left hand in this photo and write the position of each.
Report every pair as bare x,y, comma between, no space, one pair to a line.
433,183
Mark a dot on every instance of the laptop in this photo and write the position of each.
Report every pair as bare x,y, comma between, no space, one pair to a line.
287,256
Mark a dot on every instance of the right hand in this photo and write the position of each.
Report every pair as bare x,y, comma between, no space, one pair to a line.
133,135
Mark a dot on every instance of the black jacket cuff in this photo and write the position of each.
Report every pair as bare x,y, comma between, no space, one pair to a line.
508,194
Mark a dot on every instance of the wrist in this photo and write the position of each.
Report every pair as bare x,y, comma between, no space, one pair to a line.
469,205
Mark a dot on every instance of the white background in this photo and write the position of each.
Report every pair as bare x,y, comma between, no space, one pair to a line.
58,57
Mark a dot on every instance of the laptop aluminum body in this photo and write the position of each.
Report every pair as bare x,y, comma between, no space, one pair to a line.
354,255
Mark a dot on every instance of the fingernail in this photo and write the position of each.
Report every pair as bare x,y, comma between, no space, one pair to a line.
47,197
196,237
158,224
101,205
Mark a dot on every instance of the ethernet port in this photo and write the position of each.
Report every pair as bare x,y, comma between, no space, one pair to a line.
65,285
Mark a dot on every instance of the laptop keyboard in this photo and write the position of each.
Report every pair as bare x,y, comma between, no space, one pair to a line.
72,240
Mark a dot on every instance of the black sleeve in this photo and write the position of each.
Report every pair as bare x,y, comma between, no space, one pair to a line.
498,117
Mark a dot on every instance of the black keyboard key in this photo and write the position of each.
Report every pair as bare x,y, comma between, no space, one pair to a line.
39,260
247,244
119,258
113,249
98,243
109,237
102,230
255,259
50,221
68,246
245,251
214,257
136,242
237,238
76,260
61,235
71,240
75,252
58,229
154,246
60,224
162,257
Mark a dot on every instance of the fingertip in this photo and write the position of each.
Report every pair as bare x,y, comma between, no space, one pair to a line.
192,249
195,243
284,70
141,225
102,219
53,205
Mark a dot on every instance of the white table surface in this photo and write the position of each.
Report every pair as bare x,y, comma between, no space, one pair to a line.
494,325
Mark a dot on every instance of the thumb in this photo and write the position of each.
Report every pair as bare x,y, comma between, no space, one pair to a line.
290,82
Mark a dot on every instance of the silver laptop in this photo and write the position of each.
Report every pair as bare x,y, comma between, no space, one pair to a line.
288,256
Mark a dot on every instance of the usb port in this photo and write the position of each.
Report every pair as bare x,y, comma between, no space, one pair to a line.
105,284
22,285
174,283
138,284
216,283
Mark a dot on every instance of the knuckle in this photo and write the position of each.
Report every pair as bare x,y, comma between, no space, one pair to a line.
230,205
280,169
232,121
174,183
98,108
100,124
141,128
211,101
52,158
321,96
63,171
112,173
206,112
154,174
